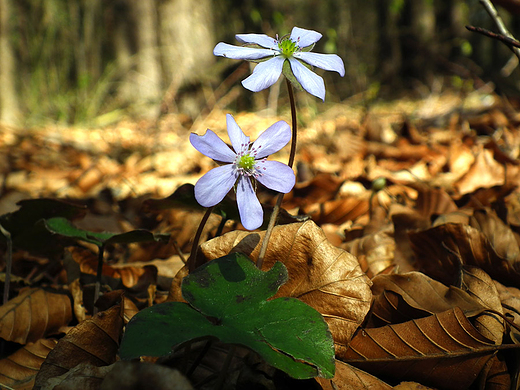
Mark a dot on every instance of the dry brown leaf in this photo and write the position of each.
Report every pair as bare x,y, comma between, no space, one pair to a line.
404,220
485,172
93,341
495,375
433,201
442,250
499,235
374,251
510,300
348,377
443,350
19,370
131,276
77,297
411,386
33,314
422,296
323,187
321,275
336,211
478,284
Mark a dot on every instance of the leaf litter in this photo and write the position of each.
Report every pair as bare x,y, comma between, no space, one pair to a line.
417,278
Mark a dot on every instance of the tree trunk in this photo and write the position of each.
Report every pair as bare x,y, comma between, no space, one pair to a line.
9,108
187,42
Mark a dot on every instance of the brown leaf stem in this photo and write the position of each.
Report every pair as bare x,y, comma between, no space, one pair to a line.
192,260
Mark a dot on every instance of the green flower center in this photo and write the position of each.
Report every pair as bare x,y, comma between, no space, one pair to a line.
287,47
247,163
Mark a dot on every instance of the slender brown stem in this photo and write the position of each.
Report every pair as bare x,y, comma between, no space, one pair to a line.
294,123
276,209
192,261
99,275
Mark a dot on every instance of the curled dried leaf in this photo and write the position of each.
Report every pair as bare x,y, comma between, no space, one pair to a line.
443,350
19,369
34,314
420,292
93,341
478,283
442,250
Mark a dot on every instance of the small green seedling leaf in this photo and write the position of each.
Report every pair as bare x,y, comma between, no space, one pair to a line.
227,299
65,228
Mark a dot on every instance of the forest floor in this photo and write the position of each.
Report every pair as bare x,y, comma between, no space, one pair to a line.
447,216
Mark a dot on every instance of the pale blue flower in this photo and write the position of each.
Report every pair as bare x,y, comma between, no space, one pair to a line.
294,49
246,162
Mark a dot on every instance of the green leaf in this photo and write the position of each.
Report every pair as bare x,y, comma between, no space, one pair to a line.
65,228
227,299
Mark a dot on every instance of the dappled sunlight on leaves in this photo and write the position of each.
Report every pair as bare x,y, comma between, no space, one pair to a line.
402,231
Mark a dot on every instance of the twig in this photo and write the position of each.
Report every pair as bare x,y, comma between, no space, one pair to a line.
508,41
491,10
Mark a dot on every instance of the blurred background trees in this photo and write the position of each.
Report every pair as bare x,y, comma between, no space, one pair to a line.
94,61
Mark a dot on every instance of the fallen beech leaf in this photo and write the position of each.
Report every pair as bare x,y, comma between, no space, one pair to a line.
375,250
93,341
137,376
321,275
323,187
83,376
433,201
495,375
19,370
510,300
77,297
485,172
500,236
411,386
478,283
420,292
131,276
350,378
442,250
33,314
443,350
336,211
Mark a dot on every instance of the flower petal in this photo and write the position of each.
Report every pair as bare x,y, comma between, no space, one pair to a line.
309,80
240,53
272,140
249,207
259,39
212,146
276,176
214,185
237,137
304,37
265,74
324,61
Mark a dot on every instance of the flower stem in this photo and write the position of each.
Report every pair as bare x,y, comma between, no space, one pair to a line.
192,260
276,209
